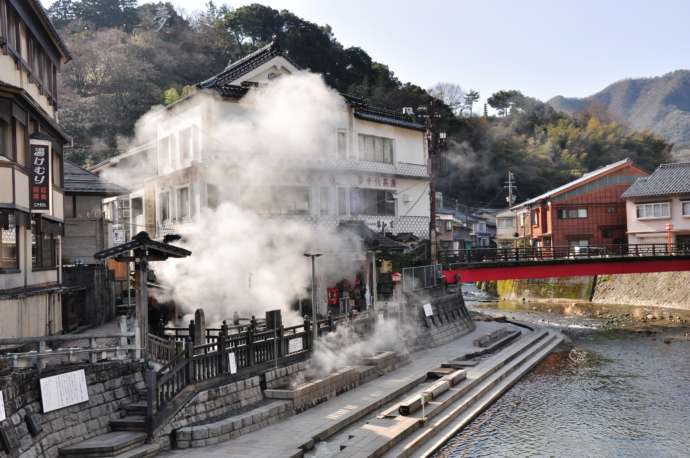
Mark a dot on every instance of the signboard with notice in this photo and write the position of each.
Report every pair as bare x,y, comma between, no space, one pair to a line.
428,311
295,345
63,390
2,407
41,189
232,363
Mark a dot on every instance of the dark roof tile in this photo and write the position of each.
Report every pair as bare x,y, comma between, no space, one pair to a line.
80,181
667,179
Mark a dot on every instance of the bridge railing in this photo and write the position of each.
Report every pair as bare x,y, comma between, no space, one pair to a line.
526,254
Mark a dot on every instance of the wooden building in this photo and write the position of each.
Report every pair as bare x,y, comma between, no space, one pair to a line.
31,171
585,212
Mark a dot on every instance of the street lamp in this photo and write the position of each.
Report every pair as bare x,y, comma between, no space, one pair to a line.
315,325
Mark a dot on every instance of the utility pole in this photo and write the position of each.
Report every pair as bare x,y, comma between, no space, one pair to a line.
511,187
436,141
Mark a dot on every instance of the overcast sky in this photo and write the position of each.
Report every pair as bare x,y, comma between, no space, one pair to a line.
543,48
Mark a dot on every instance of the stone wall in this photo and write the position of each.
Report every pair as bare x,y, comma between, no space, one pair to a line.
449,321
538,289
110,385
663,289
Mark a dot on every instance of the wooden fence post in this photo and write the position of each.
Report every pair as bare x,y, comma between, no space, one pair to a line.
250,346
191,376
221,348
152,396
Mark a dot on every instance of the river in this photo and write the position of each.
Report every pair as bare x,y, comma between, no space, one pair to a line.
616,393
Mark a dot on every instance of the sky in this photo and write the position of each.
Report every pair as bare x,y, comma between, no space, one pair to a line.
542,48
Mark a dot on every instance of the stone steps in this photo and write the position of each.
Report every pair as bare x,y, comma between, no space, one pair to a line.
477,399
111,444
379,435
129,423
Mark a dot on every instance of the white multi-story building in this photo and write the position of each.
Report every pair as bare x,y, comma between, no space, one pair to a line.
375,172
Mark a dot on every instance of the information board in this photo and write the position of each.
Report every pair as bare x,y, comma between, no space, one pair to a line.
232,363
428,311
2,407
63,390
295,345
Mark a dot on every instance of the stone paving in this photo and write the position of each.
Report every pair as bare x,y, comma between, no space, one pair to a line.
283,439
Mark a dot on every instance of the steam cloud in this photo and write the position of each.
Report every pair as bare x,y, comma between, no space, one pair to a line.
242,260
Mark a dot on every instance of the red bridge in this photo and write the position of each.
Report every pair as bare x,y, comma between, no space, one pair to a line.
483,264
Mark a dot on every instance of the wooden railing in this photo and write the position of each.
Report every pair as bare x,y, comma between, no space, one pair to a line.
224,355
162,350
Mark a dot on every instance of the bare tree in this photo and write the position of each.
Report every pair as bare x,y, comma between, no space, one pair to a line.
451,94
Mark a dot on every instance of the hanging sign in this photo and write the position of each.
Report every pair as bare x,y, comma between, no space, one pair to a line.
40,152
428,311
63,390
232,363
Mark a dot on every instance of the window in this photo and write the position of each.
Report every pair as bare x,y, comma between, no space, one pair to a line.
342,201
212,196
686,208
580,242
189,140
371,202
20,132
183,210
535,218
611,210
654,210
325,201
6,147
572,213
375,149
342,144
523,218
9,255
504,223
164,153
43,247
165,205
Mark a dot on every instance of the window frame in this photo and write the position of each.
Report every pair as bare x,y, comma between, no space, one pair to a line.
682,208
15,268
377,143
341,154
161,201
178,206
651,205
38,240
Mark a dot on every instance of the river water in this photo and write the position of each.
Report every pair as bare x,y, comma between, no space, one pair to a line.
616,393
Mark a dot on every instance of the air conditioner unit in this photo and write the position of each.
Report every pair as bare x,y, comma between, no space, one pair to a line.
408,111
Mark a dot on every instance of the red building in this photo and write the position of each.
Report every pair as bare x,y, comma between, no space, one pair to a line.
588,211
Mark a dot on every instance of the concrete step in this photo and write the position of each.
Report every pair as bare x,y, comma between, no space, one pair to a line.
129,423
143,451
110,444
374,436
136,408
459,414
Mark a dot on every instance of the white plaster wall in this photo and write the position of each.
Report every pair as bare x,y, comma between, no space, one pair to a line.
409,144
417,192
21,183
6,185
31,316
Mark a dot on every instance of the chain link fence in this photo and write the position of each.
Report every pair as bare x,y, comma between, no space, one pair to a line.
421,277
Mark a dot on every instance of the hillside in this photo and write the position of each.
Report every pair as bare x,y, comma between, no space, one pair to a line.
660,104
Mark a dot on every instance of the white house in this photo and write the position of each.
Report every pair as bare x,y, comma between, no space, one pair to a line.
659,205
376,171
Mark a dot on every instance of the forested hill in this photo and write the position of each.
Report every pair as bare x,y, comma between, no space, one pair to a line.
130,57
660,104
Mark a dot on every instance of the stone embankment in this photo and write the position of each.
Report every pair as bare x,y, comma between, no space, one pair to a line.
646,297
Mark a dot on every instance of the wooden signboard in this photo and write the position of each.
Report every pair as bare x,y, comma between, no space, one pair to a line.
428,311
232,363
63,390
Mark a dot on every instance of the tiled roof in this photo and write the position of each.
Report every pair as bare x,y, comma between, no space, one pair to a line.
668,179
573,184
371,239
224,84
43,14
80,181
239,68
